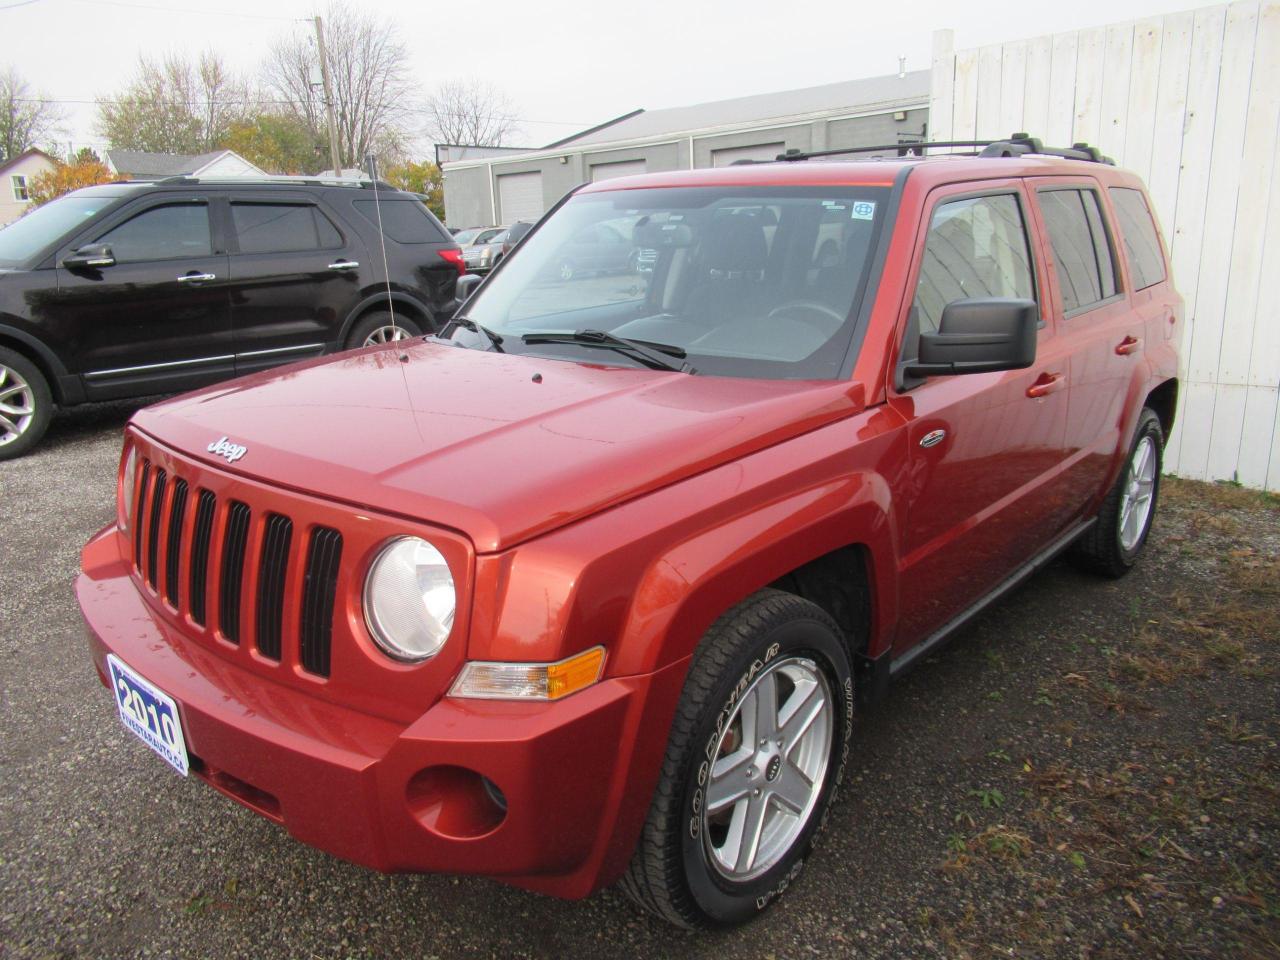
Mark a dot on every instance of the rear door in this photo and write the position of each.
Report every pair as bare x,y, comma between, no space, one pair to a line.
1094,313
159,318
295,275
984,487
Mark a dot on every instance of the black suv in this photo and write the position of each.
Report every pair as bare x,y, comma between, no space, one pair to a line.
139,288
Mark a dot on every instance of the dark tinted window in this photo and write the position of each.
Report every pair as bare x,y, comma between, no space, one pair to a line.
976,247
404,221
1141,245
1081,248
162,233
279,228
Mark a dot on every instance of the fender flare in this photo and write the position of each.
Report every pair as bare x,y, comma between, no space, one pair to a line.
46,359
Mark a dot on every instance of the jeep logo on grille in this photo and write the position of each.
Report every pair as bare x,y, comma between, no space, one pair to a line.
225,448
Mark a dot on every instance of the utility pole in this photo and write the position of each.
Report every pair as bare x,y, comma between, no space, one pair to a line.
328,99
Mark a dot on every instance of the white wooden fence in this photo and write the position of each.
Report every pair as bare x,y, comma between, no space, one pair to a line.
1191,102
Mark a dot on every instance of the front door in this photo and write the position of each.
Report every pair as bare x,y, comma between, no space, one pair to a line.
159,318
984,489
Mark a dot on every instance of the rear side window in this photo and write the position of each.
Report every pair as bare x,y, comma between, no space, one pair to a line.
1141,245
282,228
404,221
1081,247
976,247
162,233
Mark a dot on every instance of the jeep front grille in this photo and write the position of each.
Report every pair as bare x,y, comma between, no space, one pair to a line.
219,571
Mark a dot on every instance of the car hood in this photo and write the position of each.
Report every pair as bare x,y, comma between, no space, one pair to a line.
499,447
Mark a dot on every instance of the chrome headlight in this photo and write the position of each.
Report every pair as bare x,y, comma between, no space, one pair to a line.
410,599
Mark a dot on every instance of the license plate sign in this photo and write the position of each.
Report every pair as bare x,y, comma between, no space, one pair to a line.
149,713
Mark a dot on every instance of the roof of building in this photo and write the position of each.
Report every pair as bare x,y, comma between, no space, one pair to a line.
137,163
865,94
25,154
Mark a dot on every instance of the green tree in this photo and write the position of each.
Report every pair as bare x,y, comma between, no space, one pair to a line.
175,106
277,143
424,178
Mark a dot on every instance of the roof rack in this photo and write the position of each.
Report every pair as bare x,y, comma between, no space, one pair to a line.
1018,145
363,184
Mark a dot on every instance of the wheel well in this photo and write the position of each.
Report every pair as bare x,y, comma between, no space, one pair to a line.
17,346
1164,401
837,582
403,308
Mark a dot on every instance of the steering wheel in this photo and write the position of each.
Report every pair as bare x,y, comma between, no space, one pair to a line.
819,314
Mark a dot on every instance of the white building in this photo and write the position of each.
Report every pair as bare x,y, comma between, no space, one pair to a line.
15,182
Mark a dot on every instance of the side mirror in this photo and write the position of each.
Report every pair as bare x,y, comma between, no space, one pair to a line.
979,336
467,284
93,256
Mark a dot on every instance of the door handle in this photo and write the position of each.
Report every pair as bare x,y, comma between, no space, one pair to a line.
1128,345
1046,384
194,277
344,265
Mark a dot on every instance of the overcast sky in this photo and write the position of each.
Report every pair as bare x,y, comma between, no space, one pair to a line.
566,64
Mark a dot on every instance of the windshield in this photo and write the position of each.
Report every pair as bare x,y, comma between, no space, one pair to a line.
466,236
753,282
24,238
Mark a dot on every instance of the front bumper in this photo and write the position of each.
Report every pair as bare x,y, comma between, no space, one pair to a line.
576,775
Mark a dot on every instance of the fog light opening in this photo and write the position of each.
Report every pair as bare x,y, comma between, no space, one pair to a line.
455,802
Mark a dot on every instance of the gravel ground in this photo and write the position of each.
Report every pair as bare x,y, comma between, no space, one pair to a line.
1090,770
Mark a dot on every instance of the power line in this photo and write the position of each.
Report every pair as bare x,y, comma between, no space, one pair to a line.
185,11
24,3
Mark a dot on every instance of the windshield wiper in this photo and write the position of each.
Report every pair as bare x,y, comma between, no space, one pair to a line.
495,339
656,355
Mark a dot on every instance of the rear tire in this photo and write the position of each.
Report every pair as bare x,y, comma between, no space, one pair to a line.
701,860
1112,546
26,404
377,328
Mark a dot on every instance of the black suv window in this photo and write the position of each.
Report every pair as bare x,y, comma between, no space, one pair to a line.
1146,260
976,247
1081,247
282,228
404,221
162,233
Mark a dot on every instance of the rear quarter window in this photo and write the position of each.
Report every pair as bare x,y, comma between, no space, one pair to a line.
404,221
1141,244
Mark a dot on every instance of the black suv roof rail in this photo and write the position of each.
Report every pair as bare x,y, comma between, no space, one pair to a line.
1018,145
287,181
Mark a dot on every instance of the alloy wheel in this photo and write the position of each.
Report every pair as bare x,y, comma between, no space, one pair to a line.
769,770
385,334
17,405
1135,504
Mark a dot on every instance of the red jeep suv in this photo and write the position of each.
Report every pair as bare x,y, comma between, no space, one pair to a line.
589,586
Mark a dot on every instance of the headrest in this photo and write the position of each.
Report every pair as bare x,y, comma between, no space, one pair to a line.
735,244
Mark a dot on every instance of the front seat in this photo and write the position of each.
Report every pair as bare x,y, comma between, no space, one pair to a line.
729,271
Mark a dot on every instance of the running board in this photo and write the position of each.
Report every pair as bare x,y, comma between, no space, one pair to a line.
1038,562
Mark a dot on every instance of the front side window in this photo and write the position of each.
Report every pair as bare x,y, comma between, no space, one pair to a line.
1142,246
282,228
20,189
162,233
750,281
1081,248
976,247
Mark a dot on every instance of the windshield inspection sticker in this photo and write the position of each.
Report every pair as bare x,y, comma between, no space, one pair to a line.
864,210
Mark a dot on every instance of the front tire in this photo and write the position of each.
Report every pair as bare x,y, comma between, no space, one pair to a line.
757,749
1112,545
26,404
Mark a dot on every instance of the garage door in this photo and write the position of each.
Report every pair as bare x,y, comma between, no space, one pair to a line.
624,168
519,196
761,151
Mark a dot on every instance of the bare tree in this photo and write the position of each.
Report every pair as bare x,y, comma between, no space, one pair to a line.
471,112
26,119
176,106
369,69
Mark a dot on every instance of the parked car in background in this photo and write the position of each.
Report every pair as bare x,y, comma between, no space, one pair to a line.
515,233
484,251
131,289
599,599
